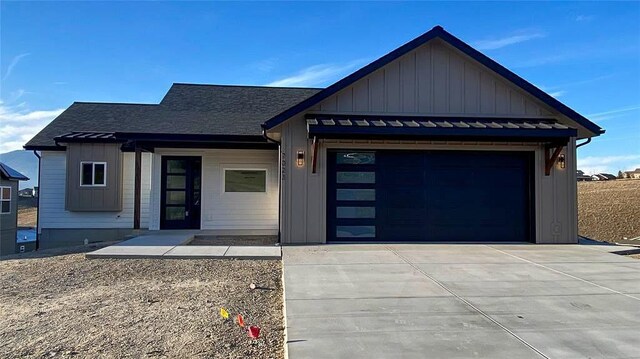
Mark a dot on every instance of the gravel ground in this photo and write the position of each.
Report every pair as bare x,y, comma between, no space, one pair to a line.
609,210
56,303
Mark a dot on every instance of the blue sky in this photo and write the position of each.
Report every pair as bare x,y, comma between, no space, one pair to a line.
53,53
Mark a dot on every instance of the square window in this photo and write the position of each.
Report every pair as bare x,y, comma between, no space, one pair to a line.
245,180
93,174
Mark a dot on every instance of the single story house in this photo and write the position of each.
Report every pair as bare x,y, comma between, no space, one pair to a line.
581,176
9,179
433,141
27,192
631,174
603,177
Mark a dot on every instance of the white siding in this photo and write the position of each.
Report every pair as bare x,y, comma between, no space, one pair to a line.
52,196
227,211
435,79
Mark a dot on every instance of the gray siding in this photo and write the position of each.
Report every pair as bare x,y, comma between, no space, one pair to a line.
303,218
433,80
8,221
108,198
438,80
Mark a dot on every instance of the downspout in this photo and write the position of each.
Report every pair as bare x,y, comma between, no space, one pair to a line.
38,201
264,134
584,143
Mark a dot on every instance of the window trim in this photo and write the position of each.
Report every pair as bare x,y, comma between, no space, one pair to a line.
5,199
93,173
263,169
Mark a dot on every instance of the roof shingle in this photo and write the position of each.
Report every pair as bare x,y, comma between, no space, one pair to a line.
185,109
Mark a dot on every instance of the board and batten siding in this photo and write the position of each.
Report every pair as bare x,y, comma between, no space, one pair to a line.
435,79
53,179
304,194
255,213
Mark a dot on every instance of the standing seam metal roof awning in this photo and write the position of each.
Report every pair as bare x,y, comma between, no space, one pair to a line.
444,128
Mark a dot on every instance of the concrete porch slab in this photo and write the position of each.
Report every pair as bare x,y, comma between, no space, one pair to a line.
196,252
171,245
254,252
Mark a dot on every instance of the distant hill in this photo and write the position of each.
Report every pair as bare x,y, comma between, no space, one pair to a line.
24,162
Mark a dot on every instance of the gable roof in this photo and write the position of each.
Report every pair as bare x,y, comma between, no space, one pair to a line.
9,173
186,109
436,32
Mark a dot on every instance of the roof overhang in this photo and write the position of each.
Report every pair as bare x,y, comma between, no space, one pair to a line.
10,174
150,141
437,128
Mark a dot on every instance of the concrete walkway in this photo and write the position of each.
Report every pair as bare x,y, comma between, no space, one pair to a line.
172,245
461,301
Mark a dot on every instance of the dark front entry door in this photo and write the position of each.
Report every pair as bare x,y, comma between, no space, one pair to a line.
181,192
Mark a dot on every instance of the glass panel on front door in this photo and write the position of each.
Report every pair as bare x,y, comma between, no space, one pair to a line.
181,192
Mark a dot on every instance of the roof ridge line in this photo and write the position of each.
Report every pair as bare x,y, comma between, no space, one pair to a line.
249,86
115,103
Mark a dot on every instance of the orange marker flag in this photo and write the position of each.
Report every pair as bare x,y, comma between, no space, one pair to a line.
224,313
240,321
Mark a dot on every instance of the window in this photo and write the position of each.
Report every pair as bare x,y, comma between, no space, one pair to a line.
245,180
93,174
5,198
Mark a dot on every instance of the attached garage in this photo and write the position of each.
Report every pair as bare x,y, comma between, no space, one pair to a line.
430,196
432,142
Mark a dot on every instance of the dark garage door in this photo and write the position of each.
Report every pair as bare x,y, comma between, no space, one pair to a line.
469,196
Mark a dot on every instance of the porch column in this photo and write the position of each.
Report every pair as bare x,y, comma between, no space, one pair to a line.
137,187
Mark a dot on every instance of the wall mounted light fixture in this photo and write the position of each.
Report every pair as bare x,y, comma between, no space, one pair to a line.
562,161
300,158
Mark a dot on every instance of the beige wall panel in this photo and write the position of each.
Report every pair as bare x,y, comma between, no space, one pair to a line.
516,103
440,58
345,100
408,79
456,84
425,79
361,96
377,92
392,86
471,89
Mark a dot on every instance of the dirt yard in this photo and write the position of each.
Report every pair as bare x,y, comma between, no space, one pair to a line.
609,210
27,211
59,304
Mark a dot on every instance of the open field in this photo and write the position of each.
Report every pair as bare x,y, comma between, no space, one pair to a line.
609,210
56,303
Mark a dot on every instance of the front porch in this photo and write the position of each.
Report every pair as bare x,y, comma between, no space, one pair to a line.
176,245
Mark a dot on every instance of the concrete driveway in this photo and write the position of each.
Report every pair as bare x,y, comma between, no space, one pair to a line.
461,301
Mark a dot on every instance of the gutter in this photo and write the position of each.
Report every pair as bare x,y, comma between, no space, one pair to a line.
584,143
38,201
279,143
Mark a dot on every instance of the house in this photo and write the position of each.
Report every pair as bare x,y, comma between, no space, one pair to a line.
383,154
581,176
9,208
603,177
26,192
632,174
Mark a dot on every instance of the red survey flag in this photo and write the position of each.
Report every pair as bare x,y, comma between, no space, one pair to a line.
254,332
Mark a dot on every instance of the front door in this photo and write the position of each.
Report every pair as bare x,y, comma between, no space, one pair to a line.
180,192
